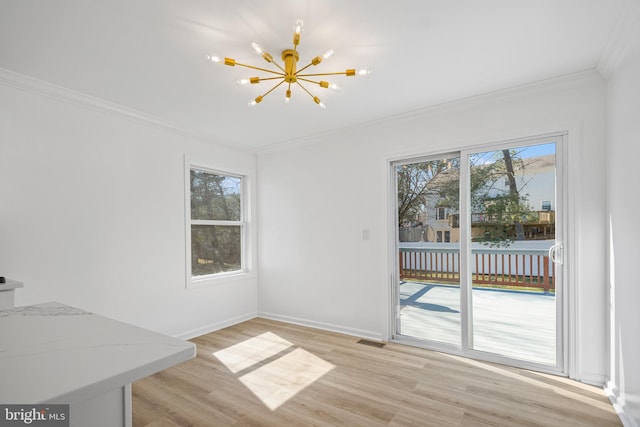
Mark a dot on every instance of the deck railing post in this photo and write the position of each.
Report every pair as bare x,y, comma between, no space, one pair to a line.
502,268
545,279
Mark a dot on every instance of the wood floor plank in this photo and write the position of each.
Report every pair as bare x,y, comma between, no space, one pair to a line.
298,376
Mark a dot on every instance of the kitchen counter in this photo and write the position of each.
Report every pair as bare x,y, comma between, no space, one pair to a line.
6,293
54,353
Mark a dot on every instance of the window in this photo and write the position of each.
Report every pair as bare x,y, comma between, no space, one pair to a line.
546,205
441,214
216,223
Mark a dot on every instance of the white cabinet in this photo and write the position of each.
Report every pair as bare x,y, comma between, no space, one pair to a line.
54,353
7,289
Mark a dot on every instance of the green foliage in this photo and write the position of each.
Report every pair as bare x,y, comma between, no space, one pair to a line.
215,248
417,181
214,197
438,181
506,210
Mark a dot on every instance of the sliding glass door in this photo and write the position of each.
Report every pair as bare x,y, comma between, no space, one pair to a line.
429,248
479,254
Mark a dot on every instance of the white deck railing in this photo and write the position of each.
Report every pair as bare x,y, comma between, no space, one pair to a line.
508,266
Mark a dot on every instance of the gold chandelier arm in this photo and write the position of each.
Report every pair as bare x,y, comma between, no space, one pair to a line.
318,59
321,84
260,68
272,89
305,89
305,67
345,73
262,79
279,67
315,98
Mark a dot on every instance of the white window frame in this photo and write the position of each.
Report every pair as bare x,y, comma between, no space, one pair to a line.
445,214
567,326
211,279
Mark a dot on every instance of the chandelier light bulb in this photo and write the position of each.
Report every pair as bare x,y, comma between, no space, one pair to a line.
328,54
364,72
214,58
320,103
256,101
251,80
257,48
297,29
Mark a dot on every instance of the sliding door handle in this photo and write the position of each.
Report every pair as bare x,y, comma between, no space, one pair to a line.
556,253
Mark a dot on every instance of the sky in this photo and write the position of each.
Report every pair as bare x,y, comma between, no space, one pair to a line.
538,150
523,152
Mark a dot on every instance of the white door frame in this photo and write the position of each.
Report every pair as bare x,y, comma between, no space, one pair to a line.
565,306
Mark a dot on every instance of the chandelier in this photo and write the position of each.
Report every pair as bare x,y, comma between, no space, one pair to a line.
288,73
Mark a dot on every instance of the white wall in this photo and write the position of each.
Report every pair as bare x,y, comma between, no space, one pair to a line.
92,214
316,197
624,206
92,211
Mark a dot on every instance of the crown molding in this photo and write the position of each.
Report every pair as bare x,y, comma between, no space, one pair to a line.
537,88
39,87
620,39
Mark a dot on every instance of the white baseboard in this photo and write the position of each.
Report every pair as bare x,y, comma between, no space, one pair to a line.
618,404
594,379
360,333
216,326
591,378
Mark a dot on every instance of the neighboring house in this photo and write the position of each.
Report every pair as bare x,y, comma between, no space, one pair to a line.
536,184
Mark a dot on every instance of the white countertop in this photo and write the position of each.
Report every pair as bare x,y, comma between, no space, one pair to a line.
10,285
53,353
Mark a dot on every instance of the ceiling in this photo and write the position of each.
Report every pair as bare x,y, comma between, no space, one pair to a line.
150,55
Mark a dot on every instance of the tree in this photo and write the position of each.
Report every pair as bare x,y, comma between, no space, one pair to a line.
214,197
215,248
514,193
438,181
505,208
418,181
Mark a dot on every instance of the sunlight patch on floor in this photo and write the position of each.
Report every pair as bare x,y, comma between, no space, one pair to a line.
254,350
280,380
273,381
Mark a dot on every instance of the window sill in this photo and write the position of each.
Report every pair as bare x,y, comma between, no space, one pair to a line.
218,279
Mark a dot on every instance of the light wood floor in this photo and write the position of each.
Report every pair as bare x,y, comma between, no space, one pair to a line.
267,373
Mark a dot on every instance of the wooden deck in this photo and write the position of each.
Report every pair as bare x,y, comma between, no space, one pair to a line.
514,324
